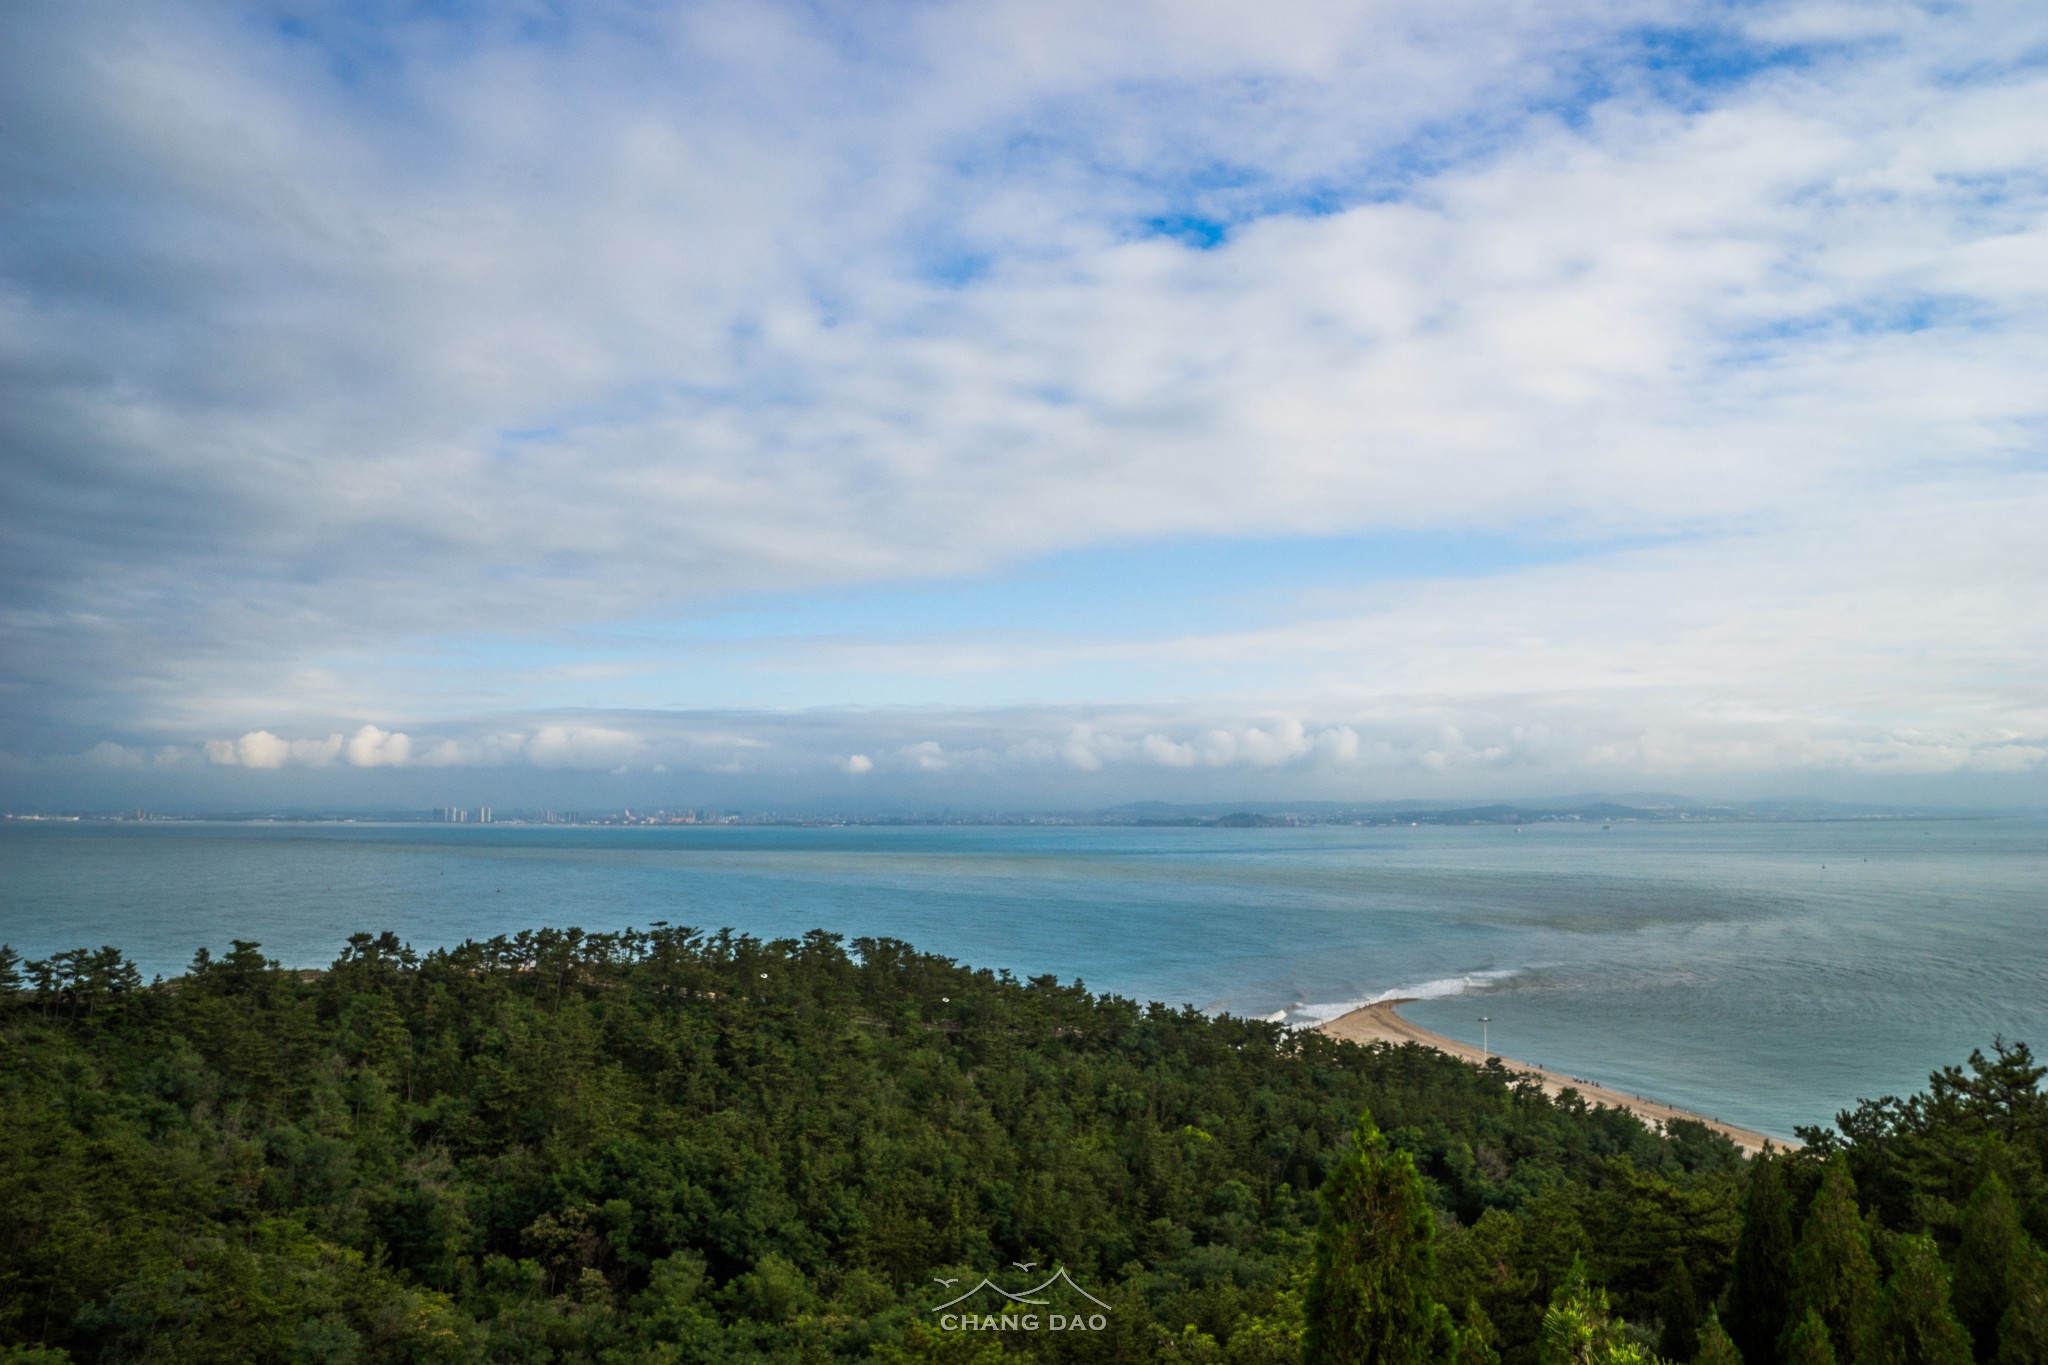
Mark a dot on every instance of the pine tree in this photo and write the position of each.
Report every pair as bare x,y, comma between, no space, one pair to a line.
1579,1329
1984,1262
1833,1274
1807,1344
1680,1339
1716,1346
2023,1331
1919,1327
1757,1302
1368,1291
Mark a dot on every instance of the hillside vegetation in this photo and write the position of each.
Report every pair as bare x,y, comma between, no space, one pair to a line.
670,1146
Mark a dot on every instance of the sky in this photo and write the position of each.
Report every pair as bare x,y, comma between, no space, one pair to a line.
932,405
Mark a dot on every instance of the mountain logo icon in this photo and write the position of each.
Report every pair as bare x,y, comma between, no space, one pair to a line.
988,1306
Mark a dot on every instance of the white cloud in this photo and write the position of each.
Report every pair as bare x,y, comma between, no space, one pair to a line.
489,749
371,747
446,754
581,746
315,753
857,764
1167,753
1083,750
928,756
261,749
256,749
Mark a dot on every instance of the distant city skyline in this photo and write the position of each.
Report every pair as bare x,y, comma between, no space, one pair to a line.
1019,406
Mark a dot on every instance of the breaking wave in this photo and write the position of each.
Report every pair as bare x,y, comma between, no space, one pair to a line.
1309,1015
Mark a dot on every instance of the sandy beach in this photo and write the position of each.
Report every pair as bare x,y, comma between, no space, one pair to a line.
1382,1023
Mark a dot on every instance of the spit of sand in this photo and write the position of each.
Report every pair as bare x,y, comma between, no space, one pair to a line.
1382,1023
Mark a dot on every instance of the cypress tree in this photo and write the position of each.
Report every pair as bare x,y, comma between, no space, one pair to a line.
1368,1290
1984,1261
1919,1326
1716,1346
2023,1331
1443,1336
1680,1306
1757,1302
1807,1344
1833,1274
1477,1342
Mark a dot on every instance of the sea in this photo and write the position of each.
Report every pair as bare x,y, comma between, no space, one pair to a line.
1767,974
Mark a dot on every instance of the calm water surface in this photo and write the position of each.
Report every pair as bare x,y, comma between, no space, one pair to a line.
1767,974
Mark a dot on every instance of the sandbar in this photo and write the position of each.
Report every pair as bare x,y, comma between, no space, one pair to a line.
1382,1023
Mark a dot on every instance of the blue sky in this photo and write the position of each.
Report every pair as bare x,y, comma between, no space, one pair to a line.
895,405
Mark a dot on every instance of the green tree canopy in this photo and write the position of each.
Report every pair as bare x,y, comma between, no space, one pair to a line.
1991,1238
1369,1289
1680,1305
1808,1342
1833,1273
1759,1299
2023,1331
1716,1346
1918,1327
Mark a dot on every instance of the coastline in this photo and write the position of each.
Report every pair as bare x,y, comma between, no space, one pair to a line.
1381,1022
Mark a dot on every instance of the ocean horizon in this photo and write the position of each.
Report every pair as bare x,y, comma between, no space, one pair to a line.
1767,974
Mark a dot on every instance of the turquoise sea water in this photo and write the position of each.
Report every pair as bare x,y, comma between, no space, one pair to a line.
1767,974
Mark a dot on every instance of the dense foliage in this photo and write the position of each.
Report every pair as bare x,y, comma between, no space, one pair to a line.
667,1146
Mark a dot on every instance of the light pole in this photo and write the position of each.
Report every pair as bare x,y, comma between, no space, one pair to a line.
1484,1020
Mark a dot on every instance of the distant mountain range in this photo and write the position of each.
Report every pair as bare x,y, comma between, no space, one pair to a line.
1595,807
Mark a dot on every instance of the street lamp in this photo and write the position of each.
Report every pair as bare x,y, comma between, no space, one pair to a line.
1484,1020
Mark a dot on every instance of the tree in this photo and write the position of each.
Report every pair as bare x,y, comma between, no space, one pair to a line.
1477,1344
2001,1096
1807,1343
1919,1327
1680,1339
1984,1262
1716,1346
1580,1330
1757,1302
1368,1291
1833,1274
2023,1331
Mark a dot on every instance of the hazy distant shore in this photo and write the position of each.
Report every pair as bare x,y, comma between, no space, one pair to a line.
1597,812
1383,1023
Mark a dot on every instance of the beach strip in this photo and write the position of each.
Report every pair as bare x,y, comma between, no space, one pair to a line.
1382,1023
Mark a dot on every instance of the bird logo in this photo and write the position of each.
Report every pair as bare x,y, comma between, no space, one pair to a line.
942,1280
1024,1266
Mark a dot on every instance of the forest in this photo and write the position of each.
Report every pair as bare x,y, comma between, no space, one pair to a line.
676,1146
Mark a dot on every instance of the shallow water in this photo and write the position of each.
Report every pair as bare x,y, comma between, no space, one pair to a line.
1767,974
